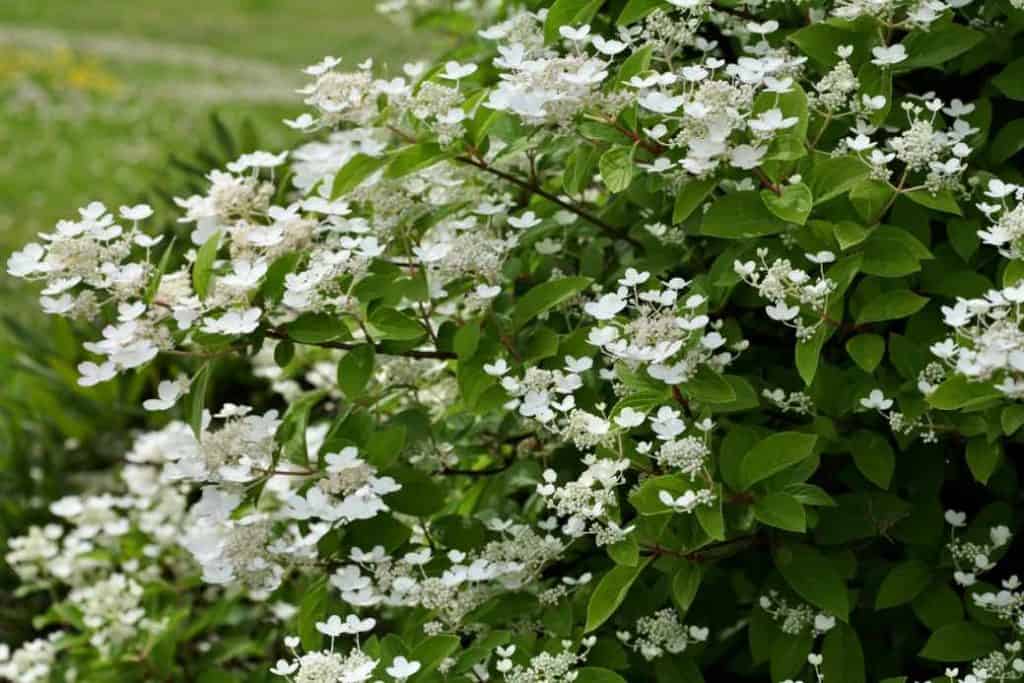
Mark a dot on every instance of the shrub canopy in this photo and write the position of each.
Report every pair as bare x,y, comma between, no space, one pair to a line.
631,340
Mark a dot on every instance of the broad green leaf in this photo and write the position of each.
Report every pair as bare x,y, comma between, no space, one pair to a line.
610,592
891,305
1011,80
316,328
359,168
685,583
866,350
546,296
792,205
707,386
958,392
593,674
579,168
690,196
291,433
782,511
165,260
1008,141
414,158
202,269
983,458
420,495
874,457
843,656
774,454
1011,419
395,325
195,400
635,64
431,652
355,369
635,10
960,642
835,176
741,215
808,354
814,578
903,583
616,166
937,46
467,340
943,200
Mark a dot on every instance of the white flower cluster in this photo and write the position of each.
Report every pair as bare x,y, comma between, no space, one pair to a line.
331,665
972,558
795,618
655,327
798,300
1007,219
32,662
662,632
987,342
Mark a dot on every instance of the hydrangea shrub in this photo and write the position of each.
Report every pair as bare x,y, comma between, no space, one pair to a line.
632,340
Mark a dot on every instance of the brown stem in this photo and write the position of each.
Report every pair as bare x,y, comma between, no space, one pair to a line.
348,346
532,188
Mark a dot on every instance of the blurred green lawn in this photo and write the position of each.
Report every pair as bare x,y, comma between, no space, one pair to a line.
96,94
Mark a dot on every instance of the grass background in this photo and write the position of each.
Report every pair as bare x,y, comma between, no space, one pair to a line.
96,95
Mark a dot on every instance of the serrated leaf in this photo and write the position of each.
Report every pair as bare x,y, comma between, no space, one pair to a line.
617,168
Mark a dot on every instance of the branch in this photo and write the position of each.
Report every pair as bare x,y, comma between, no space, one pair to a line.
533,188
434,354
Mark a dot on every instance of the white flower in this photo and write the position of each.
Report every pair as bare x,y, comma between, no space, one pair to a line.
886,56
284,667
821,258
136,213
661,103
772,120
684,503
168,392
27,261
606,307
401,668
629,417
956,518
574,34
876,400
528,220
454,71
234,322
746,156
487,291
578,365
633,277
92,374
781,311
608,47
497,368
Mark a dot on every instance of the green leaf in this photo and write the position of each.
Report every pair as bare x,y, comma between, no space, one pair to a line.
959,642
195,401
843,656
685,583
420,495
958,393
792,205
943,200
316,328
835,176
625,552
774,454
312,608
1011,419
355,369
202,269
414,158
708,386
579,169
874,457
983,458
903,583
635,10
467,340
593,674
616,166
741,215
569,13
813,578
430,653
1011,80
546,296
808,354
634,65
1008,141
395,325
849,234
782,511
291,434
610,592
690,196
866,350
165,261
937,46
891,305
359,168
